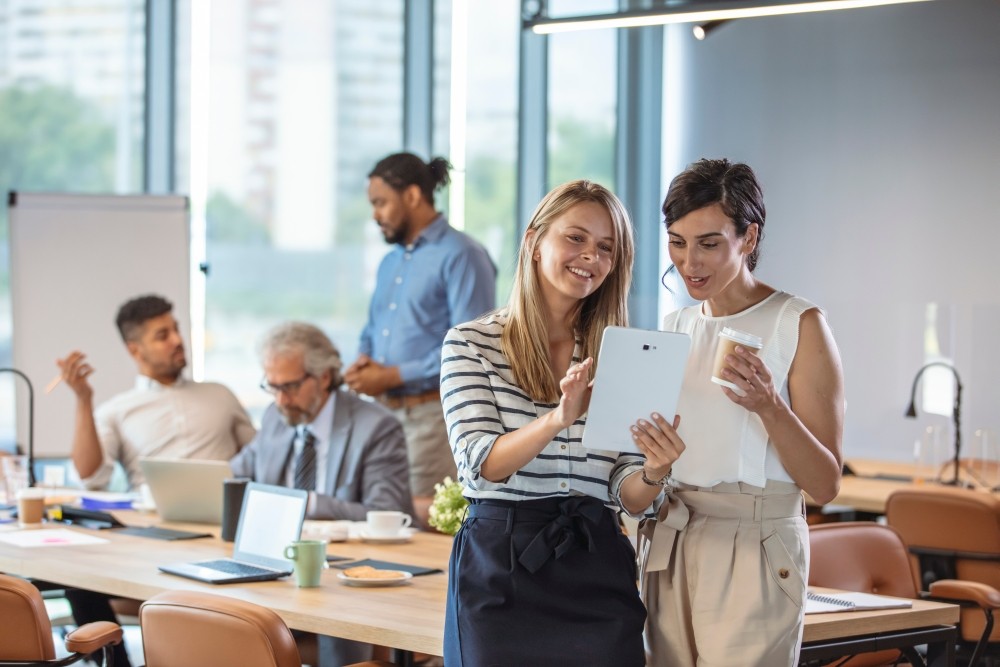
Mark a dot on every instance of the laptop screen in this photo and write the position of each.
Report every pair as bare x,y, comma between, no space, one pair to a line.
271,519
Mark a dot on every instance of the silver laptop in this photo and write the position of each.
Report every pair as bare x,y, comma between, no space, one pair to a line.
186,489
271,519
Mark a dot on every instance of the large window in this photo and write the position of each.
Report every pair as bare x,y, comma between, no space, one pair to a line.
490,133
71,116
302,99
582,102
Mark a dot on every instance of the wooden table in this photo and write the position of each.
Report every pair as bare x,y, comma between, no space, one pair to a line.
873,481
409,618
826,636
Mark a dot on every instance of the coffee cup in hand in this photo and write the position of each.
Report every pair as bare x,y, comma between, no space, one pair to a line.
387,523
309,557
728,340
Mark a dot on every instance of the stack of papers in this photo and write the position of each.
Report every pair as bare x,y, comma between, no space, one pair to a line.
825,603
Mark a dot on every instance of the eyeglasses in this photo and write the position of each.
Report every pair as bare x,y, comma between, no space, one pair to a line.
287,388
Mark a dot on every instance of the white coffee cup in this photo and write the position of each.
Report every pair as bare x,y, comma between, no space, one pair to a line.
728,340
387,523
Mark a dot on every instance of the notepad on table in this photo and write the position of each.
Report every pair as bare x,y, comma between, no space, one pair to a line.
817,603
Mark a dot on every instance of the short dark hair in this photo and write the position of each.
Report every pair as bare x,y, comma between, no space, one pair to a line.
136,312
731,185
401,170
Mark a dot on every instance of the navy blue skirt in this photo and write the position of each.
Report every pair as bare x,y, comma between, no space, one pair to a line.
549,581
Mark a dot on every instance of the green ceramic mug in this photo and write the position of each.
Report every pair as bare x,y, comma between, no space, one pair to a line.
309,557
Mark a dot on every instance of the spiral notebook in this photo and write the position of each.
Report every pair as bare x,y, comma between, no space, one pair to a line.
817,603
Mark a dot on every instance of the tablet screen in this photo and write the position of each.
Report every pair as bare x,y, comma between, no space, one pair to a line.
640,372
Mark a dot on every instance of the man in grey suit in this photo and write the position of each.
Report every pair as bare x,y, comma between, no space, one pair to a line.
350,454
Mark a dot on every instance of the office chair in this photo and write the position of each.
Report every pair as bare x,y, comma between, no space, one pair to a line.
193,629
953,536
863,557
26,636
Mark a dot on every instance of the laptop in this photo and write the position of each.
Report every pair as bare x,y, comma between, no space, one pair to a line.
271,519
640,372
186,490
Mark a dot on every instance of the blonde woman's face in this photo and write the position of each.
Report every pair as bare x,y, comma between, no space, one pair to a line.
574,257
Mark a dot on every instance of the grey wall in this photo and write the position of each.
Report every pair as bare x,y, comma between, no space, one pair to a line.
876,134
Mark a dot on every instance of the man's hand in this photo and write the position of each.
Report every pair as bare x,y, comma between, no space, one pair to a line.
370,377
75,371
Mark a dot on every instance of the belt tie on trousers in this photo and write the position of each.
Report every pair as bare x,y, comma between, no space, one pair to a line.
657,538
570,530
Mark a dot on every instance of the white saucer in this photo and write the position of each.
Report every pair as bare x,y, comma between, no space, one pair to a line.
374,583
330,531
403,536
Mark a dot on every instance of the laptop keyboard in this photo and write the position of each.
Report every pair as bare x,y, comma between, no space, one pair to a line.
233,567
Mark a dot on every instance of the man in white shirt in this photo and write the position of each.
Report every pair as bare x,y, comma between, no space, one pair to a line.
164,415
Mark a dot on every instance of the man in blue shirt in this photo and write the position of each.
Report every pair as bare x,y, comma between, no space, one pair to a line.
434,278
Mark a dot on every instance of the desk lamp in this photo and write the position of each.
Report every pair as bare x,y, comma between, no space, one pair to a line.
31,423
956,410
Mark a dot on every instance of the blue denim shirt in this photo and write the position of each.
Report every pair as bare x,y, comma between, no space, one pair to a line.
443,279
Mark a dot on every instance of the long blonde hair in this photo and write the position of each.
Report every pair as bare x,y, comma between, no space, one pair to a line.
525,337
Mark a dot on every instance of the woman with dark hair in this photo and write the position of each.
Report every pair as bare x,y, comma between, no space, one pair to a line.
540,572
725,563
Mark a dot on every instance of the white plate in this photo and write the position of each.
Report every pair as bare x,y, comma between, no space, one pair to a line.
403,536
374,583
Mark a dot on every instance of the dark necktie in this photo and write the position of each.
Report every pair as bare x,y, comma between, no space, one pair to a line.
305,464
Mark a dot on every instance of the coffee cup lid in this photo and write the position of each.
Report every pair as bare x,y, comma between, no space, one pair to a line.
742,337
31,492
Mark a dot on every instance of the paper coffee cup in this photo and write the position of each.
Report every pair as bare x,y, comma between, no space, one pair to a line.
30,506
728,340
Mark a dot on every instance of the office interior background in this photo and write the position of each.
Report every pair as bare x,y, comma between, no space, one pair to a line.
876,134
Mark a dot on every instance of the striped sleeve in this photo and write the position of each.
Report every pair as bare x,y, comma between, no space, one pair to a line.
626,465
470,407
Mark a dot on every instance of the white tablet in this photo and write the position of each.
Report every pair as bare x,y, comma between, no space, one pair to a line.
640,372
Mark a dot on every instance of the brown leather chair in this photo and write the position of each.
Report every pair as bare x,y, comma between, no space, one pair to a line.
193,629
953,536
864,557
26,635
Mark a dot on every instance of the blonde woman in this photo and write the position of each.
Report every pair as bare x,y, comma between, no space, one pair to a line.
540,572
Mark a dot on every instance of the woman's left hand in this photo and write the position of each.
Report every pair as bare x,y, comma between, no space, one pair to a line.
749,372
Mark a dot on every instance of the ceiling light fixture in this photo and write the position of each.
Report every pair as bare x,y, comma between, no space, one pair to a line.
703,30
705,12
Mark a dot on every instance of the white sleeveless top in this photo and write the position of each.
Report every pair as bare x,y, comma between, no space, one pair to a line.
726,442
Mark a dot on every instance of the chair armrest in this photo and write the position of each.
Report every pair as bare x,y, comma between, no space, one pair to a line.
91,637
977,593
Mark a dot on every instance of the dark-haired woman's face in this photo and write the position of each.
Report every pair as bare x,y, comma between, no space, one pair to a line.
707,252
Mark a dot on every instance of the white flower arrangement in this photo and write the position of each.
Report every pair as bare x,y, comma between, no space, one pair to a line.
447,511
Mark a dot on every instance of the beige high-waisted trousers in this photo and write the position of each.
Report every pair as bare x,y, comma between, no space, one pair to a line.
724,572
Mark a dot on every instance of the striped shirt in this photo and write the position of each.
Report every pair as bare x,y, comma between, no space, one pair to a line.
481,403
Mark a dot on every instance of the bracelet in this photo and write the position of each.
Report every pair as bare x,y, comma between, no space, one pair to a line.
660,482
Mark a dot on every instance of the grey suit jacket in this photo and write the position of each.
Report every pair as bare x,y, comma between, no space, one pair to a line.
367,467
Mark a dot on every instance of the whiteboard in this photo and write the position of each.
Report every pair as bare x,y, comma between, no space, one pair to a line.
74,259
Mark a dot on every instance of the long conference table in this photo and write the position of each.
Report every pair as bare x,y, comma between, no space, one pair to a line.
872,481
408,618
